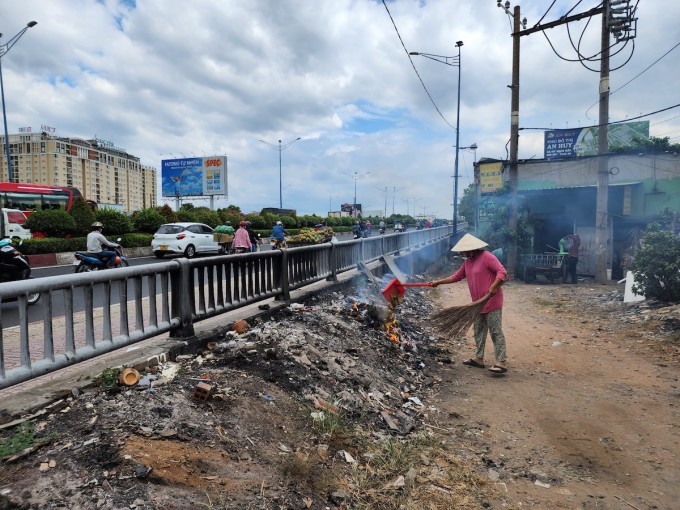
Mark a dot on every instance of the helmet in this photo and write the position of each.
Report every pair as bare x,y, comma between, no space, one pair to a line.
97,224
242,224
279,223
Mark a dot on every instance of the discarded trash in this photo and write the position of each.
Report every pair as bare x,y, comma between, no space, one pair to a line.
268,398
240,327
202,391
541,484
264,307
297,307
556,344
128,377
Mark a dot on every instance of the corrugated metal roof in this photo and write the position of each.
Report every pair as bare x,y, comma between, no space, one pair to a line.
585,186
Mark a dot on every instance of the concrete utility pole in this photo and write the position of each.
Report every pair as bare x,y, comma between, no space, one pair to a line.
514,140
602,241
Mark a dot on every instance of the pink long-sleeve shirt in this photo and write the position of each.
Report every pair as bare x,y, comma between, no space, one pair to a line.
481,270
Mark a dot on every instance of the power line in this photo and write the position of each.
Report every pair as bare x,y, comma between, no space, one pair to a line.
610,123
414,67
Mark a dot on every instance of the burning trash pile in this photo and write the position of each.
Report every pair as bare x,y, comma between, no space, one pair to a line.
254,418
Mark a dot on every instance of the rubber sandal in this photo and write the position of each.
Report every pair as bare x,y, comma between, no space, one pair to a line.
496,369
472,363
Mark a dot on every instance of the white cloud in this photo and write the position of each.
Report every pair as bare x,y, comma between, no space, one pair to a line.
210,76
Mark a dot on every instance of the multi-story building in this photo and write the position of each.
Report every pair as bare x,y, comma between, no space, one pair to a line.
102,172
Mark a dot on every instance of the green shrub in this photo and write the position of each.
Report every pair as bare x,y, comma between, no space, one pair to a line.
52,223
186,215
37,246
148,221
205,215
114,222
82,215
657,266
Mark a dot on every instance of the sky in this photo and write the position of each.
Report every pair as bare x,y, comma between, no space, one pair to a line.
165,79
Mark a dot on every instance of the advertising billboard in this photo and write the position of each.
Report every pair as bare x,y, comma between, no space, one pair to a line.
571,143
194,176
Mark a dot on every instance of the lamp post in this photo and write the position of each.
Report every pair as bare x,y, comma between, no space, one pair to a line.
281,148
3,50
394,193
355,175
385,211
455,62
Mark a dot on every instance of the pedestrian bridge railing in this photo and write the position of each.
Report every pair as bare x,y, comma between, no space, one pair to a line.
83,315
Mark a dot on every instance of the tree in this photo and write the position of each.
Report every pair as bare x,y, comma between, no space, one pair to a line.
83,216
657,265
167,213
651,145
498,233
466,205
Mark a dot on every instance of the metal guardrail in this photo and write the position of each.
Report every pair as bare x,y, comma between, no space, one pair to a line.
180,293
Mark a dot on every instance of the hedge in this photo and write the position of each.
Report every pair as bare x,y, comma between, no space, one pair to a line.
37,246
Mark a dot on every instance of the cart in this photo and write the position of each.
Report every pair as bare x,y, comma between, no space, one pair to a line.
551,265
224,240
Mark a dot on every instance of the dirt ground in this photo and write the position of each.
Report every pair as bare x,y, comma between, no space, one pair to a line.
589,405
315,407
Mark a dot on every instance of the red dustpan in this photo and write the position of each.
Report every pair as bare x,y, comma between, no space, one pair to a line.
395,290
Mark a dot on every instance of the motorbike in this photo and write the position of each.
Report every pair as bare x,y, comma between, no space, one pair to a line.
85,262
382,231
14,266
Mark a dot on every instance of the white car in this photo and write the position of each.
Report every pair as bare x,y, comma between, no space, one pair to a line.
183,238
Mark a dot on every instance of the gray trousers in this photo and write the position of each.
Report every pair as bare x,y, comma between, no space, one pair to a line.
490,323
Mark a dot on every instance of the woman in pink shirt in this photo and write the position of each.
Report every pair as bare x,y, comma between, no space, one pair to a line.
485,275
241,242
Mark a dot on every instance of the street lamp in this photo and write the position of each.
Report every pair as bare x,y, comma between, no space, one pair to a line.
281,148
385,211
3,50
455,62
356,175
394,193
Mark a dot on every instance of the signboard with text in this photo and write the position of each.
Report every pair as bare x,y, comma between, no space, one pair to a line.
490,177
571,143
194,176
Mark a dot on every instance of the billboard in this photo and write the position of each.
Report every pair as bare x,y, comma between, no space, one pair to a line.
194,176
570,143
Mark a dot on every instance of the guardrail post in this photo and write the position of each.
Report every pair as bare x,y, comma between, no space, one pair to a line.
283,277
332,264
182,299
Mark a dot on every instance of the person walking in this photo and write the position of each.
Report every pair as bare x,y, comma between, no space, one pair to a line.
241,242
485,275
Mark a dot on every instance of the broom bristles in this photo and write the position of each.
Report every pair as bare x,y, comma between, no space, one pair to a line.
456,320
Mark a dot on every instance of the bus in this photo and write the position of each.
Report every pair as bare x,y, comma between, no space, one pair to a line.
36,197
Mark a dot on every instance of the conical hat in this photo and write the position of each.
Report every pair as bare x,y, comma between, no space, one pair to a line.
469,243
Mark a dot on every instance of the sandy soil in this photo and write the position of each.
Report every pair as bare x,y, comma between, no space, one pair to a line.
588,407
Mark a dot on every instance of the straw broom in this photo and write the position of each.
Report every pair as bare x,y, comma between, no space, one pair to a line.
455,320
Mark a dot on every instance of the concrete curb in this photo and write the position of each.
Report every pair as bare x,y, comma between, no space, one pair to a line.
66,258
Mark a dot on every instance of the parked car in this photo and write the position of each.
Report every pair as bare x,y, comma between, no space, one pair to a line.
183,238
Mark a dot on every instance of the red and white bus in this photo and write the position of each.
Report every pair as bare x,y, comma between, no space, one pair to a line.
36,197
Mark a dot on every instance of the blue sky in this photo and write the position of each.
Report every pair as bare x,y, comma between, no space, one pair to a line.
166,79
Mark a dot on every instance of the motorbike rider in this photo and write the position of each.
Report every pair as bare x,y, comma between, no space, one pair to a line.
12,264
96,244
357,230
279,233
381,226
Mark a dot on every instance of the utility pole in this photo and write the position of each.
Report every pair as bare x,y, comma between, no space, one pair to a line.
514,141
602,240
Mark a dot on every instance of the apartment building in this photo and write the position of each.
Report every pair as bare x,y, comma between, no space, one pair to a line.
102,172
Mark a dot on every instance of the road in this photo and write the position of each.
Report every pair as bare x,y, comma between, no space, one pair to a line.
10,315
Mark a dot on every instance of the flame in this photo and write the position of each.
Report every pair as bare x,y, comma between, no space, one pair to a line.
392,328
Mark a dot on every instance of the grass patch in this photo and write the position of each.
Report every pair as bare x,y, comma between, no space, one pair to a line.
23,438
